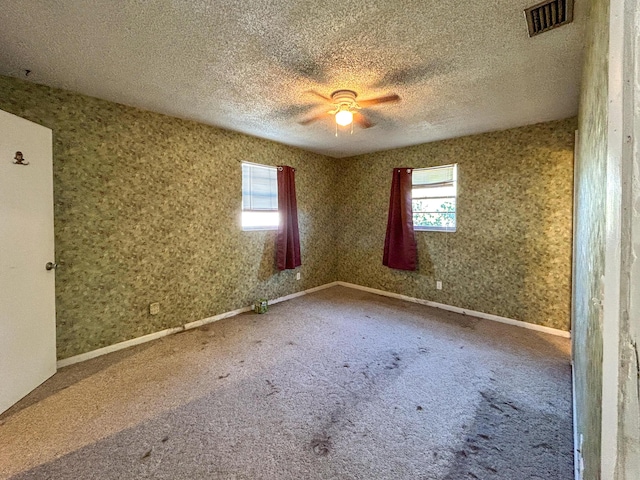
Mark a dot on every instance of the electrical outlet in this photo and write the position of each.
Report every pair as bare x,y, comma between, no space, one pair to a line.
298,276
154,308
439,285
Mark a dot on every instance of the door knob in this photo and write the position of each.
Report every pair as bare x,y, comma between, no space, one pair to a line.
51,266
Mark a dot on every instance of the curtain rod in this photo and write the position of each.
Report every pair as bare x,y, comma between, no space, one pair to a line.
263,165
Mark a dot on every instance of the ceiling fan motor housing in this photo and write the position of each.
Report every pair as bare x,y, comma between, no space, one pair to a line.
344,97
344,106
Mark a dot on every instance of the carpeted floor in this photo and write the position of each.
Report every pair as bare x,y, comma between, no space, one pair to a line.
339,384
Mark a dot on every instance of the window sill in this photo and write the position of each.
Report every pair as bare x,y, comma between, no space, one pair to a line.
434,229
259,229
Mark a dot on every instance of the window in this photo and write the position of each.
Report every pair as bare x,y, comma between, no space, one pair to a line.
259,197
434,198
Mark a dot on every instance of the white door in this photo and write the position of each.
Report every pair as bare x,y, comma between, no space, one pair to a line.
27,288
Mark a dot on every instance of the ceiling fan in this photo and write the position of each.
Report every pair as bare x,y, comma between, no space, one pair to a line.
346,108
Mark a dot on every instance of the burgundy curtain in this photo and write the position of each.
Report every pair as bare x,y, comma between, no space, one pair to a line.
400,249
288,247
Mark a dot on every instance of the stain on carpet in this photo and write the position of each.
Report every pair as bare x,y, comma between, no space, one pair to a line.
394,398
321,445
509,440
394,363
273,388
467,322
378,373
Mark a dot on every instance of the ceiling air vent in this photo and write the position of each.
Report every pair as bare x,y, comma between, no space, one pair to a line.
548,15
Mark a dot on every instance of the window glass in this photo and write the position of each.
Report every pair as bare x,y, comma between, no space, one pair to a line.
259,197
434,196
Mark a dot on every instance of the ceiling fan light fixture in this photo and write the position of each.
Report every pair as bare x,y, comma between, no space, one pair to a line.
344,118
344,105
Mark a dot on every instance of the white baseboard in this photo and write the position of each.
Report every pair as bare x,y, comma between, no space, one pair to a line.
464,311
304,292
117,346
170,331
215,318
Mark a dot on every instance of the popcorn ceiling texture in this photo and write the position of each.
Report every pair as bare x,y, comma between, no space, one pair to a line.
247,65
591,167
511,254
147,210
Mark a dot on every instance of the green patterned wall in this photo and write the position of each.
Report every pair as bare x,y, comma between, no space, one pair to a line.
511,254
147,210
591,166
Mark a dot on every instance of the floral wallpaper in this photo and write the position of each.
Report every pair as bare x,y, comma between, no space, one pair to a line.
147,209
591,166
511,253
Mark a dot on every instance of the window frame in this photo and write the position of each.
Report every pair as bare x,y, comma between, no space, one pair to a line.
248,228
454,183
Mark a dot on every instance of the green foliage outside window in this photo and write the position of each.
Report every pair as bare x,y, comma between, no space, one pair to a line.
444,218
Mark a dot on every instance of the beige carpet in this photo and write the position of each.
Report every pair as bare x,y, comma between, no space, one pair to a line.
339,384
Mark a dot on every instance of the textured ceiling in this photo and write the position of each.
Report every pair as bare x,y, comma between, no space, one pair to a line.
460,67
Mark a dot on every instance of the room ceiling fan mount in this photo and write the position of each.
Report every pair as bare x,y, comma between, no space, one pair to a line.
345,98
345,107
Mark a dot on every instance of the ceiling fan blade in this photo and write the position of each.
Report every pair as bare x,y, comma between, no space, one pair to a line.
410,75
309,120
319,95
295,110
361,120
375,101
376,117
301,66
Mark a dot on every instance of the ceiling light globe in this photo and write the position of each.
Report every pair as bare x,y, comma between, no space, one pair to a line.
344,118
